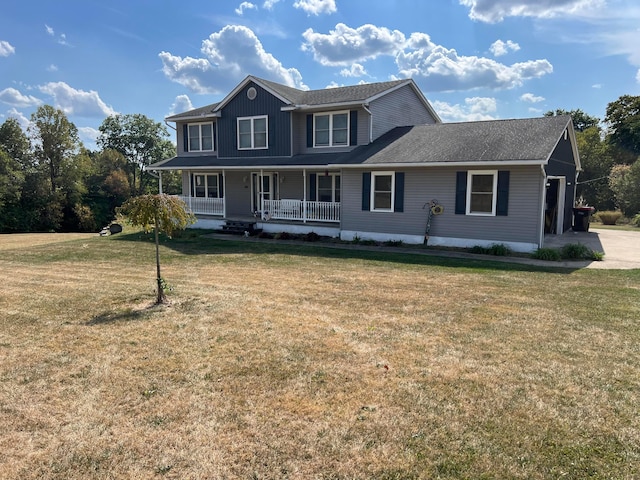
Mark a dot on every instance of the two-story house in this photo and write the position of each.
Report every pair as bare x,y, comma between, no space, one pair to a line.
369,161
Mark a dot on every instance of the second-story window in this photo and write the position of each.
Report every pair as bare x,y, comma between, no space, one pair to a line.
252,133
331,129
200,137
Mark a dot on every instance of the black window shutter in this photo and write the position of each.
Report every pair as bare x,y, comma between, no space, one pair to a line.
398,201
353,127
312,186
220,186
461,193
502,202
215,140
309,131
185,137
366,190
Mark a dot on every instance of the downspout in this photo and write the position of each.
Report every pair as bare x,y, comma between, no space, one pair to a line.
543,201
366,109
160,182
171,127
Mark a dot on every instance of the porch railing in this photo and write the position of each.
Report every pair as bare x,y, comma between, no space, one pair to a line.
299,210
203,205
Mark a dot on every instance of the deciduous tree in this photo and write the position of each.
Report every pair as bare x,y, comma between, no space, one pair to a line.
162,213
623,118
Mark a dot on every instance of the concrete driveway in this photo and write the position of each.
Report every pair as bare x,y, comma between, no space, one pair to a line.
621,248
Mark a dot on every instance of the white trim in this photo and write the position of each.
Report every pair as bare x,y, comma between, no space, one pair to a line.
253,132
243,84
521,247
200,124
494,193
350,236
192,184
331,129
372,206
560,205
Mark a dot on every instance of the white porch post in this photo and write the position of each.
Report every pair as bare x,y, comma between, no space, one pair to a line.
224,194
190,189
304,196
160,182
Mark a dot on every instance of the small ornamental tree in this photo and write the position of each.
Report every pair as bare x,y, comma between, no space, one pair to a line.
162,213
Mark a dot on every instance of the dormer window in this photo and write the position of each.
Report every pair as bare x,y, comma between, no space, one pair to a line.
200,137
252,133
331,129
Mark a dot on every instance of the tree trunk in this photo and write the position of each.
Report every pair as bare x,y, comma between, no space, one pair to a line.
161,297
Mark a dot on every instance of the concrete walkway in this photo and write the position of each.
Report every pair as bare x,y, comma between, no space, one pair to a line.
621,247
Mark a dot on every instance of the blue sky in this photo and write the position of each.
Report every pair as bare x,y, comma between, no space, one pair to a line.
473,59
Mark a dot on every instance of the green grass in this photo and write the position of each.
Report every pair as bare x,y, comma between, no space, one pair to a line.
302,361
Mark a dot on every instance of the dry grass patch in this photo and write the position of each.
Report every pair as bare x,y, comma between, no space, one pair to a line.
278,362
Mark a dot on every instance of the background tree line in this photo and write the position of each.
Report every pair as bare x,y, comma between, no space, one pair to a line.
609,152
50,182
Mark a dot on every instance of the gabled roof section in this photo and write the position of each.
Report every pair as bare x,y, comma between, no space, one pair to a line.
517,141
195,114
297,99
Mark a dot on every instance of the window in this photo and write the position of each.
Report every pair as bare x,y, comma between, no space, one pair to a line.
206,185
331,129
200,137
252,133
382,191
328,188
481,192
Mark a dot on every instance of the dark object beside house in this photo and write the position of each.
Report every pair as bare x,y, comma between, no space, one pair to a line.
115,228
240,227
581,216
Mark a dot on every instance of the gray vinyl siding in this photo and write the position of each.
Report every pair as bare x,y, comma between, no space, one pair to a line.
279,124
399,108
562,164
238,194
299,120
424,184
180,139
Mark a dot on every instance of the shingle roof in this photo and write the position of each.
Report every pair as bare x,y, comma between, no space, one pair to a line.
353,93
196,112
521,140
518,140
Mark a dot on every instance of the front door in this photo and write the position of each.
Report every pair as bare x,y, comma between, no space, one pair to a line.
263,187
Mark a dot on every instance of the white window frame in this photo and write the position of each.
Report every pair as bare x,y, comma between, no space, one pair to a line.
206,183
373,191
253,132
333,176
331,115
199,125
494,193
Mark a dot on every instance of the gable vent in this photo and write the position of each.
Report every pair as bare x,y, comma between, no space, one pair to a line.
252,93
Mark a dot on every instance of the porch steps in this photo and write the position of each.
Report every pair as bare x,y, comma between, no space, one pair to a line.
240,227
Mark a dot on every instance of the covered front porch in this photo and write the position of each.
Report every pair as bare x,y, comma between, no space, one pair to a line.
288,196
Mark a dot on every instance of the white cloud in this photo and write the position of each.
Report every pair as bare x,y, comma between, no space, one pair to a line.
493,11
356,70
599,85
531,98
62,38
230,55
268,4
446,70
13,97
316,7
6,49
181,104
245,6
49,30
499,48
76,102
474,109
535,111
419,56
88,135
344,44
334,84
52,68
22,120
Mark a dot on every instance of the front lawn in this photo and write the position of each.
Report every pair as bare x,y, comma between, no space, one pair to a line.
280,361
